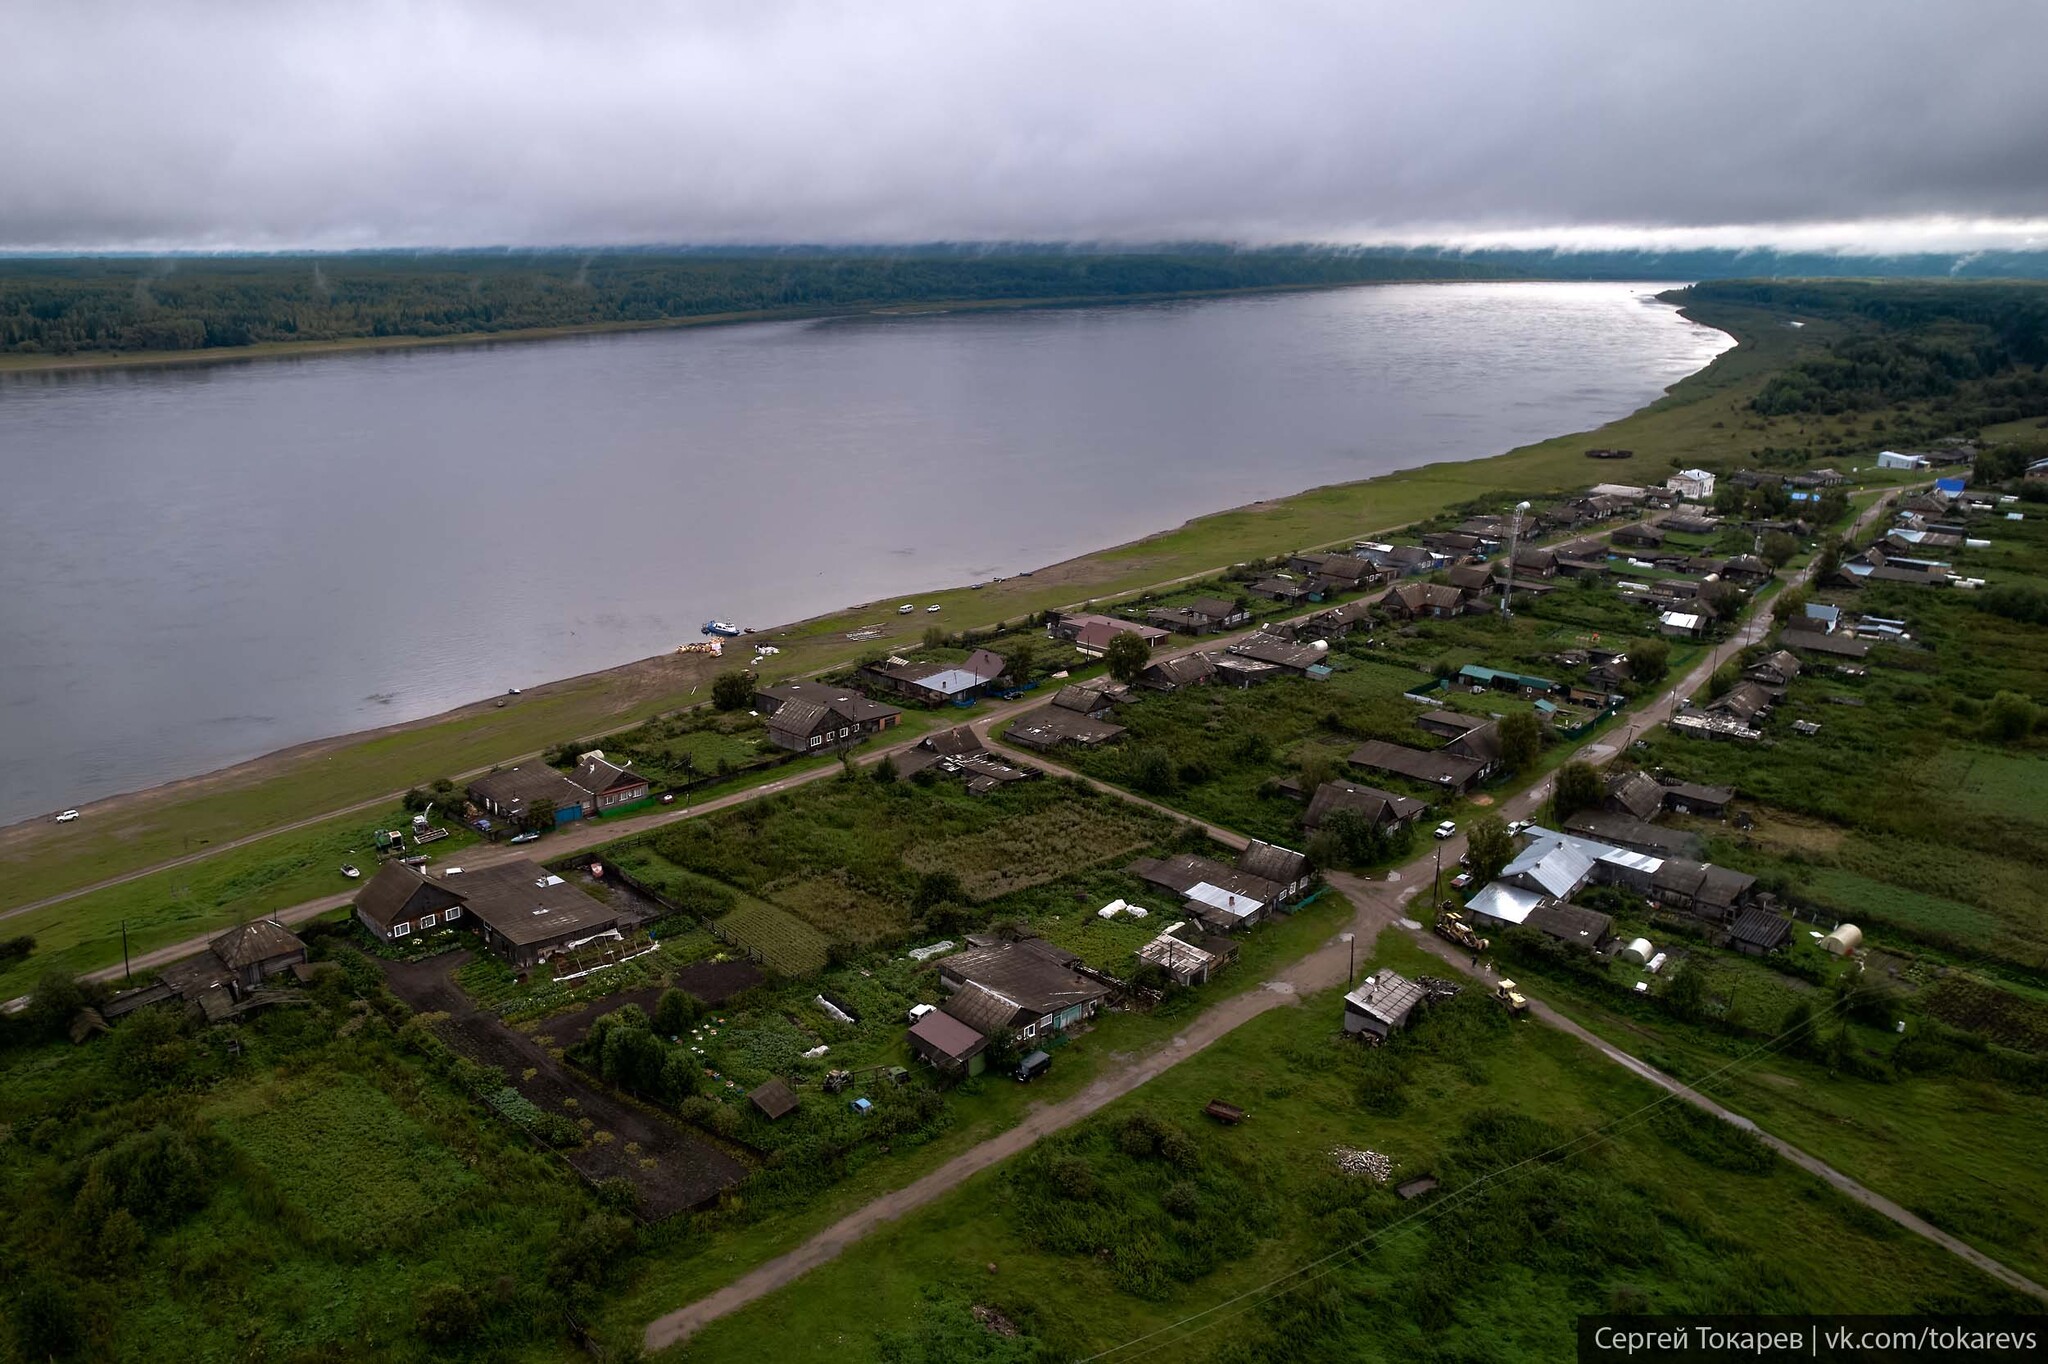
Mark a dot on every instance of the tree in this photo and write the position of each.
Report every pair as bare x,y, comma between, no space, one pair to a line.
1488,845
675,1012
884,772
934,637
1521,740
540,815
1579,787
1777,549
1685,996
1021,657
2010,716
1127,656
732,690
1722,682
1649,662
1152,772
1723,598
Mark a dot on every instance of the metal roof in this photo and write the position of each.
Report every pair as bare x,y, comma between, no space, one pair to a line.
1506,903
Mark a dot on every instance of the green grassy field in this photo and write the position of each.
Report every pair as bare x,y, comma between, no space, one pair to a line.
313,1194
864,861
1151,1218
171,906
1939,1129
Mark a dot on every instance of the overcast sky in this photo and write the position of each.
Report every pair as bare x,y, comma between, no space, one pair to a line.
1860,123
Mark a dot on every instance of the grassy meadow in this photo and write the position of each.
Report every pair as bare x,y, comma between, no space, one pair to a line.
1566,1188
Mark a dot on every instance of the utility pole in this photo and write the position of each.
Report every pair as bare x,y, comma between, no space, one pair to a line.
1507,585
1436,889
126,973
1351,971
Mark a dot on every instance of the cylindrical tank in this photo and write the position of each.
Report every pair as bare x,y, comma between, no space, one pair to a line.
1845,940
1638,951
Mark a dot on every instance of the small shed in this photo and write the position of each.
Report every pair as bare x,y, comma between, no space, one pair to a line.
1638,952
774,1100
1381,1005
1845,941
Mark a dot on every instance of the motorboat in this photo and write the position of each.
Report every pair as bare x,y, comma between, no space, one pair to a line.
722,627
348,869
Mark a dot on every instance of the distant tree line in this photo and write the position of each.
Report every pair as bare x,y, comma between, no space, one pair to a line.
1975,347
183,303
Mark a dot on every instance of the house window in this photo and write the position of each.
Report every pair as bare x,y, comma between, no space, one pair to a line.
401,929
454,913
844,731
817,739
426,922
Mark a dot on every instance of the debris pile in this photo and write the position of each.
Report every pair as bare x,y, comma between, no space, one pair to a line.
1371,1164
1436,989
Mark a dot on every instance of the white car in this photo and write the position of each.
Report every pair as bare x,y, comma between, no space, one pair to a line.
67,816
1516,826
905,609
1446,829
931,610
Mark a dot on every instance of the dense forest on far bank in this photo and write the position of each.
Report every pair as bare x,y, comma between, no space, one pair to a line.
1941,356
130,304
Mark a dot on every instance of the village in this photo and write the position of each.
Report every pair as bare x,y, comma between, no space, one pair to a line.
852,916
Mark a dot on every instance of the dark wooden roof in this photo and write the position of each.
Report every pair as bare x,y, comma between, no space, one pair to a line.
256,942
398,893
774,1099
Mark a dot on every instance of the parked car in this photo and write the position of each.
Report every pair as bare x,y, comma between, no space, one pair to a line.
905,609
1516,826
931,609
1446,829
530,836
67,816
1033,1066
1461,880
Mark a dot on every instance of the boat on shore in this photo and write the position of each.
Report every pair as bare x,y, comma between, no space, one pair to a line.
722,627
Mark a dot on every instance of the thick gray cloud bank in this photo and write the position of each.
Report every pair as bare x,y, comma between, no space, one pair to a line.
1859,123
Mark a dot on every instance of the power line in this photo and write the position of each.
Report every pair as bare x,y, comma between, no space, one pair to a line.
1323,1264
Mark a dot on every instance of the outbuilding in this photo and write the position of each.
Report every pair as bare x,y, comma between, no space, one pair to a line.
948,1045
1382,1005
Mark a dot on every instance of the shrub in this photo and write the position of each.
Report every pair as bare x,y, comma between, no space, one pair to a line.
584,1256
2010,716
158,1176
446,1314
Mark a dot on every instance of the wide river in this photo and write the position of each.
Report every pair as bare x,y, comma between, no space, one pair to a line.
204,564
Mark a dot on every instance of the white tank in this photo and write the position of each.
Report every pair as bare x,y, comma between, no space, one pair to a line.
1638,951
1321,646
1845,940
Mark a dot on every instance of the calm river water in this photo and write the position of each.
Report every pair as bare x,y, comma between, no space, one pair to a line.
201,565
